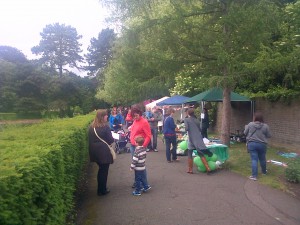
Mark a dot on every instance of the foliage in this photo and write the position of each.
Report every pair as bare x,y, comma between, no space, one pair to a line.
28,88
100,51
11,54
59,47
274,73
8,116
292,172
168,42
39,167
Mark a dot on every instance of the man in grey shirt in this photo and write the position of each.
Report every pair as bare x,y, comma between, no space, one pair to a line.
153,119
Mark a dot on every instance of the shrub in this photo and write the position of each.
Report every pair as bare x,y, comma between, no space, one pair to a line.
8,116
292,172
39,169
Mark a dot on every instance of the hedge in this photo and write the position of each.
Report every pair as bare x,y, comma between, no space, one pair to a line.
39,169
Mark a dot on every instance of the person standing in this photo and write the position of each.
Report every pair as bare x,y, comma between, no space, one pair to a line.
99,151
169,131
195,141
204,123
153,122
116,120
138,164
139,127
160,122
257,133
128,119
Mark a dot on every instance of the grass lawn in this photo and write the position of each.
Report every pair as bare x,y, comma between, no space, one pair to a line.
239,162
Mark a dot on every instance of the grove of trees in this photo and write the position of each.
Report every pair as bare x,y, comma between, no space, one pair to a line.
44,86
185,47
162,48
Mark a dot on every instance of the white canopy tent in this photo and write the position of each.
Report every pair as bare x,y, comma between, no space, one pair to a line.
152,104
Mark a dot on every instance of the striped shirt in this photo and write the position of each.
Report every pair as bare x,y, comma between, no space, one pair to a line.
139,158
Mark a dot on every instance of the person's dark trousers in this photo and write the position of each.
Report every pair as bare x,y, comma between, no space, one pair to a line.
153,143
102,177
171,140
204,132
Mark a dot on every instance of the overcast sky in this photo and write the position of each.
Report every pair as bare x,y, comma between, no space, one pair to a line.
22,21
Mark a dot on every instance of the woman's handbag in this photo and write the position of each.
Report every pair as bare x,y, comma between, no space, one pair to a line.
112,151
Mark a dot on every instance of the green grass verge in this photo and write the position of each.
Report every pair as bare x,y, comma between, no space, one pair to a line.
239,162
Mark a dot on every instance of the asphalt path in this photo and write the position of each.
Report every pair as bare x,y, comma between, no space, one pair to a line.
178,198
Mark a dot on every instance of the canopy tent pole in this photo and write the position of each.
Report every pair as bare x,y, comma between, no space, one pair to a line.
181,116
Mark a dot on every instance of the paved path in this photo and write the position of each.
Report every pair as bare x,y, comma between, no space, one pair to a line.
178,198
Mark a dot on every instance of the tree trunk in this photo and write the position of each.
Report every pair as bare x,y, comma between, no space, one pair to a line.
226,117
60,70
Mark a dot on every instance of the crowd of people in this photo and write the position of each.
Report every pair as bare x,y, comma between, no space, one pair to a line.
144,126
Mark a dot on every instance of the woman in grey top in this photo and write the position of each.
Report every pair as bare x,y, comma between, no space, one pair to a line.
195,141
257,133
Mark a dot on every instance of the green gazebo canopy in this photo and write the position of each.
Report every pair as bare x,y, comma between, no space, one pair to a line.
216,95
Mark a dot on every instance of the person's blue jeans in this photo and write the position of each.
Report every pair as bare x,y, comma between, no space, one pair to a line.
257,152
140,180
132,149
153,144
171,140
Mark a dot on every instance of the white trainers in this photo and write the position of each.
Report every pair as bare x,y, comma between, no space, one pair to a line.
155,150
147,189
253,178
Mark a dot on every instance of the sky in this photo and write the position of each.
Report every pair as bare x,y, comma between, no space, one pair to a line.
22,21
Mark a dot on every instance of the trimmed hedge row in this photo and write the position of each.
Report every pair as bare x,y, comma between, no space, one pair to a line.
39,169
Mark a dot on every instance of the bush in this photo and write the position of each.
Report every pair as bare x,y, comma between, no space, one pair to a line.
292,172
39,169
8,116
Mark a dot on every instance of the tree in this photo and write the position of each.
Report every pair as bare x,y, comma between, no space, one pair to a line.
217,38
59,47
100,51
11,54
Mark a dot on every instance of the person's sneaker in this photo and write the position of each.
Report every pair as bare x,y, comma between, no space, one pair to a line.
253,178
265,173
135,193
146,189
147,150
155,150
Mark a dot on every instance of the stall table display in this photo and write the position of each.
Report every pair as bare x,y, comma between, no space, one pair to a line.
181,138
219,149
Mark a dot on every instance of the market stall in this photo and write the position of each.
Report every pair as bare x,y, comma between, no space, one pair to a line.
219,149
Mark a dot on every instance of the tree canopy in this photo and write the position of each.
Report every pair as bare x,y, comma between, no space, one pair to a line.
59,47
100,51
186,46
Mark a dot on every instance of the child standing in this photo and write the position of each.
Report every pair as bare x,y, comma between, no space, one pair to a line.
138,165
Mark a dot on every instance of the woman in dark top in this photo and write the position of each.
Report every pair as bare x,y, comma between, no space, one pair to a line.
169,132
204,123
98,150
